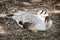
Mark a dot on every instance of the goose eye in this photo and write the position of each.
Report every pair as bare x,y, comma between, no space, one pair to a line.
20,22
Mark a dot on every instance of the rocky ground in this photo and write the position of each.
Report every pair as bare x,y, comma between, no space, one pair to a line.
9,30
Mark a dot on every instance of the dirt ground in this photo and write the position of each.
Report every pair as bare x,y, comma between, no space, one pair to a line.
11,31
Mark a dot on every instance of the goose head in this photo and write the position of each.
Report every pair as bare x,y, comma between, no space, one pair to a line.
42,13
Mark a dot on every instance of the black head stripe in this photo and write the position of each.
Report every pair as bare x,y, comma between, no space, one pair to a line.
45,13
42,11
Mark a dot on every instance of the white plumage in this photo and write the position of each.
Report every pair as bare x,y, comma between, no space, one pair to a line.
38,22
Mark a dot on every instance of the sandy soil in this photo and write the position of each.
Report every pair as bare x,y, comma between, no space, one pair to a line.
11,31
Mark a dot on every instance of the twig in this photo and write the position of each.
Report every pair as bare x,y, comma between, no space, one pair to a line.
58,4
54,11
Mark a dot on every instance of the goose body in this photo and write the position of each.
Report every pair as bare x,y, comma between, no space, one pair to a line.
37,22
